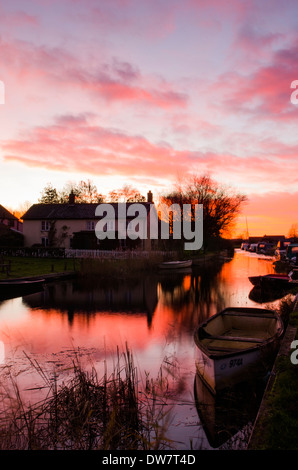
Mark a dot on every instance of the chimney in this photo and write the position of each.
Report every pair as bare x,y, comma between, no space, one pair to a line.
71,198
150,197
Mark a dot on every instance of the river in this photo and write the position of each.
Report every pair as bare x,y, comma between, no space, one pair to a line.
154,316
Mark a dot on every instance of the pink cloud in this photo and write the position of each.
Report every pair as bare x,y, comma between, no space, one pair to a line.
251,40
113,91
153,20
116,81
266,91
17,19
78,144
72,144
232,9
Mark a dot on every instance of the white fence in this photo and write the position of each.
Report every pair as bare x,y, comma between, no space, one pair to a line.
114,254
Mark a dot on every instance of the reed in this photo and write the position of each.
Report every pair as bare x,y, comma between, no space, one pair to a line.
87,412
118,267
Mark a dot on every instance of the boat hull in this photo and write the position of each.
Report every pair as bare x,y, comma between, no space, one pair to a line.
12,284
16,288
236,359
175,264
270,281
221,373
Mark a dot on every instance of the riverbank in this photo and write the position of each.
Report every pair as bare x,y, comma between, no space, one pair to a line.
21,267
276,426
14,267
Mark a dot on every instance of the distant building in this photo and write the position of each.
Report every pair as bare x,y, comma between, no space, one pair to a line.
268,238
10,220
11,229
72,225
273,238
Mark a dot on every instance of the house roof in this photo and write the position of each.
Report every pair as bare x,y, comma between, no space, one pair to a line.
5,214
70,211
5,230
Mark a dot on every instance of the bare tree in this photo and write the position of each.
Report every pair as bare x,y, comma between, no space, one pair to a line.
293,232
84,191
126,194
221,205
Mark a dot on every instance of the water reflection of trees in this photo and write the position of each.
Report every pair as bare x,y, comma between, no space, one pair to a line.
194,295
191,295
94,296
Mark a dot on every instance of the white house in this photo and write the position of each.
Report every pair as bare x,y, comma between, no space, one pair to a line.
73,225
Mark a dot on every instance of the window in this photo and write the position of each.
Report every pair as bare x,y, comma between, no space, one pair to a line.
133,227
45,226
90,225
44,241
111,225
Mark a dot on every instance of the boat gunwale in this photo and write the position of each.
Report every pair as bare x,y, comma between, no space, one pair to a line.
18,284
246,311
175,264
273,278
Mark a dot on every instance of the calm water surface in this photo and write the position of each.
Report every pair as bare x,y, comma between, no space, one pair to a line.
155,316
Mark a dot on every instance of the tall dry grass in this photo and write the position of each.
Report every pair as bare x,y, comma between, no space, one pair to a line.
90,413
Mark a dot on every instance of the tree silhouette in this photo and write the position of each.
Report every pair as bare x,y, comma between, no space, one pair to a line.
49,195
221,205
84,191
126,194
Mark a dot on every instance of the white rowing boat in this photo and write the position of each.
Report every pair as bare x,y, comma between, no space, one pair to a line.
236,342
175,264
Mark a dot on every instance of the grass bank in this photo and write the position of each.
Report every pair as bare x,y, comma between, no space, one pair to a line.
277,426
12,267
17,266
24,266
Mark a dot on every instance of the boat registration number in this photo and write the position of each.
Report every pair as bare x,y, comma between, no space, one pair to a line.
235,362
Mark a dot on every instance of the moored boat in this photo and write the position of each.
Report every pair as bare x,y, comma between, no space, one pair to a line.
18,287
275,281
175,264
13,283
265,248
236,343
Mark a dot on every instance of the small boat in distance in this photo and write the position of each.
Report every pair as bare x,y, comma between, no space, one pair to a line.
175,264
235,344
15,283
11,288
273,280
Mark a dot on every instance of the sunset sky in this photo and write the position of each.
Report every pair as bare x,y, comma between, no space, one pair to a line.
149,92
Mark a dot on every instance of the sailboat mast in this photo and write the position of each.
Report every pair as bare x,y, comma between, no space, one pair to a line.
247,232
